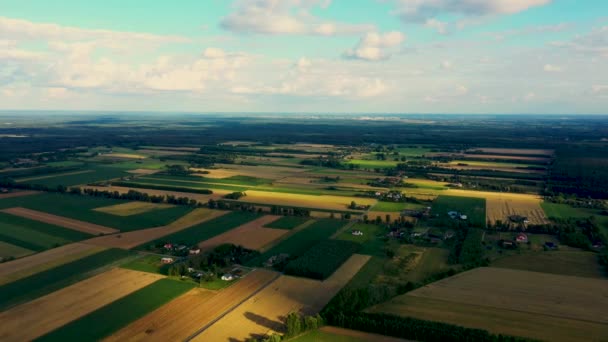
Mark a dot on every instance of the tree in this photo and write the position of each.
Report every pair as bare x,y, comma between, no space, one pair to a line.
353,205
293,324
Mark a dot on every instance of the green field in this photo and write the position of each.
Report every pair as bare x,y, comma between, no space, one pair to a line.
45,282
474,208
320,261
8,250
82,208
288,222
147,263
298,243
573,263
413,151
119,313
395,206
99,173
564,211
209,229
371,241
34,235
367,273
322,336
374,164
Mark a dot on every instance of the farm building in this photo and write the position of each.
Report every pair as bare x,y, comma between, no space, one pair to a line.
357,233
168,246
227,277
521,238
507,244
195,251
167,260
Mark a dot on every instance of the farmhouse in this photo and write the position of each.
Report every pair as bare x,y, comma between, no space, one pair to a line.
195,251
227,277
168,246
357,233
167,261
521,238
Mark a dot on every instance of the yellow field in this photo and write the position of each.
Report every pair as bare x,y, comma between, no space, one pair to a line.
40,316
521,303
499,205
135,238
53,175
20,268
132,208
307,201
122,156
268,172
264,312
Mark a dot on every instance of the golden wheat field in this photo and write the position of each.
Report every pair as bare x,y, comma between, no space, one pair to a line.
40,316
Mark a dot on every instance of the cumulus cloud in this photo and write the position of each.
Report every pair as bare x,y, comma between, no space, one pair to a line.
376,46
552,68
439,26
421,10
594,42
446,65
285,17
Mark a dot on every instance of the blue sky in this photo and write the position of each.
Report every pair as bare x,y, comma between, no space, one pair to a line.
348,56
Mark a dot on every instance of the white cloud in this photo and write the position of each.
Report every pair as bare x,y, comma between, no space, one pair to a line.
285,17
552,68
376,46
214,53
446,65
600,90
440,26
421,10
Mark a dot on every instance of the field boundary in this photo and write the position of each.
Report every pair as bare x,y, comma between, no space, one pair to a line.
65,222
208,325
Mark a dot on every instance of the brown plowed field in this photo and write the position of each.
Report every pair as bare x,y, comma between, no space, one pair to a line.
23,267
65,222
18,194
133,239
185,315
251,235
38,317
264,313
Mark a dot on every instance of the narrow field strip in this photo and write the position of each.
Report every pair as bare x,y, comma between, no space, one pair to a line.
20,180
187,314
65,222
18,194
45,282
251,235
133,239
36,318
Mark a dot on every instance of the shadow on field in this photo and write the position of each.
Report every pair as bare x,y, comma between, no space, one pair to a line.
263,321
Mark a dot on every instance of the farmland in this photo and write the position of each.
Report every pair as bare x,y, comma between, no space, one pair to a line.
395,206
132,208
251,235
264,312
40,316
543,306
34,235
287,222
119,313
47,281
211,228
298,243
371,240
320,261
192,311
473,208
82,208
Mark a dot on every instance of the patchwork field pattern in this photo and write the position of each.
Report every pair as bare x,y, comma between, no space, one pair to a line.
190,312
251,235
520,303
264,312
38,317
133,239
81,226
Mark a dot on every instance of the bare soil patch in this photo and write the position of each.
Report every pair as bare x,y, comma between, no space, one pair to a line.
65,222
132,208
251,235
38,317
185,315
265,312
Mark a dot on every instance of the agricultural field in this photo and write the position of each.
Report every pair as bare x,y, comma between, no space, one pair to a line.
53,279
119,313
35,236
572,263
540,306
564,211
395,206
75,225
287,222
501,206
298,243
132,208
371,241
82,176
136,238
325,202
207,229
320,261
38,317
264,312
473,208
333,334
12,251
23,267
194,310
251,235
82,208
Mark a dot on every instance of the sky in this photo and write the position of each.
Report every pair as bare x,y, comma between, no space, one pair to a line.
321,56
